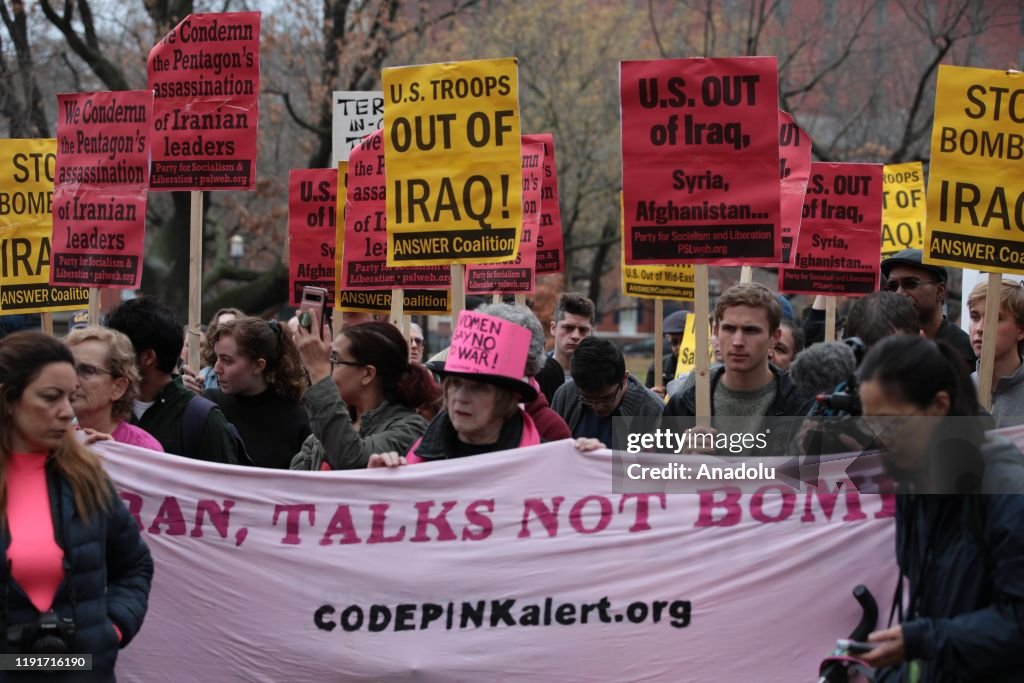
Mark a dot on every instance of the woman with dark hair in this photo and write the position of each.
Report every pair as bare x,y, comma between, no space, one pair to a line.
364,395
75,572
961,552
261,382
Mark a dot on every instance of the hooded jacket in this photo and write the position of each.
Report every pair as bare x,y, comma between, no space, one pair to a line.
638,401
1008,399
964,557
388,427
107,581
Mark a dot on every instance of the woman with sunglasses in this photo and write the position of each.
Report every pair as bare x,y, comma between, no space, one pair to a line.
363,397
108,384
959,535
261,380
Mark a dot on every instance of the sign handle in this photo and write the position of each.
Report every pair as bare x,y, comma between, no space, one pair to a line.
988,340
458,291
746,274
195,277
397,307
659,340
830,318
521,299
701,309
46,320
496,298
94,305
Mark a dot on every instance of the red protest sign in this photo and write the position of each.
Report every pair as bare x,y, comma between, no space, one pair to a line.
99,198
312,222
794,170
516,277
550,245
700,170
205,74
364,259
840,242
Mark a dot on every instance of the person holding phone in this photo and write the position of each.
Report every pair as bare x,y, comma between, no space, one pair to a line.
364,394
959,520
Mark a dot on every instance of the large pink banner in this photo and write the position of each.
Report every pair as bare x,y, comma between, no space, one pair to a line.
524,566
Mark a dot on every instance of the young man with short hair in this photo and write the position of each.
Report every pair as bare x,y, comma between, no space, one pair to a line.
601,389
155,332
746,387
573,322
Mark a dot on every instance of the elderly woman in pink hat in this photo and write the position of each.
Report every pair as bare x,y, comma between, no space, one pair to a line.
483,385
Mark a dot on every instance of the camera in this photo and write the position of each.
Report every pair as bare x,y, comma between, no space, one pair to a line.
844,401
50,634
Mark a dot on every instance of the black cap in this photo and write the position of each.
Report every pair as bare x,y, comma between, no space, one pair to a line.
912,257
675,323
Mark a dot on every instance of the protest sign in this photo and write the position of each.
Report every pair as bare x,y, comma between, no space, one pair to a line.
794,170
976,180
100,194
519,276
364,259
205,74
356,114
452,153
840,235
550,249
414,301
312,228
656,282
453,570
700,170
27,173
903,207
687,359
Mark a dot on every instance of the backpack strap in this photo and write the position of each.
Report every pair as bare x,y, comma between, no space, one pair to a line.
192,424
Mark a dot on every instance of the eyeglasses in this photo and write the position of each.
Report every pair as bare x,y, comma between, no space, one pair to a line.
86,371
909,284
416,341
601,400
335,361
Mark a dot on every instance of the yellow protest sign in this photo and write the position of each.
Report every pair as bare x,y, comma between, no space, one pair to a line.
26,224
903,207
687,350
451,149
976,182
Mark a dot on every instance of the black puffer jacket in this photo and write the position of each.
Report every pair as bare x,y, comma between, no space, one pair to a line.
110,573
964,556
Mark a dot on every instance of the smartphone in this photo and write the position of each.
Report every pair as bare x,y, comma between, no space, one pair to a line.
855,647
314,300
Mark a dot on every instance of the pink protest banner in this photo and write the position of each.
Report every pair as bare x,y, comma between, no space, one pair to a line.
794,170
519,276
312,223
364,259
453,570
550,243
99,198
700,170
840,242
206,75
488,345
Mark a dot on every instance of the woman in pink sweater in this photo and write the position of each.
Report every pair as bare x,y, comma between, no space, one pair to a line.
74,572
108,383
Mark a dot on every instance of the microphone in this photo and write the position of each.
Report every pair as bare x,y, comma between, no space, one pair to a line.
822,366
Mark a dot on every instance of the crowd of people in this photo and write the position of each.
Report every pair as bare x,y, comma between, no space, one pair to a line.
275,395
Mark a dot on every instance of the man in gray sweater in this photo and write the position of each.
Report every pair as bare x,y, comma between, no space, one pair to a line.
601,390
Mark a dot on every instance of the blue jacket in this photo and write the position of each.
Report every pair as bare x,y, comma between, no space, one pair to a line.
964,557
110,572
